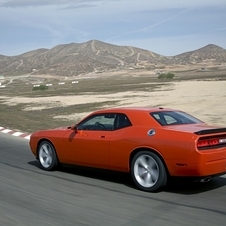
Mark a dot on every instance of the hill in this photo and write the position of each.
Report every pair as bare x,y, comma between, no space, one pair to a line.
95,56
209,53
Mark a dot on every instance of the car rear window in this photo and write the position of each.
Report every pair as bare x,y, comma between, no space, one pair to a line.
166,118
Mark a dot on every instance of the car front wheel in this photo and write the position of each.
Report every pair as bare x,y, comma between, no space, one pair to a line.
47,156
148,171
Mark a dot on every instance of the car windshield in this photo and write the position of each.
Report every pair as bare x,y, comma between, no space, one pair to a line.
166,118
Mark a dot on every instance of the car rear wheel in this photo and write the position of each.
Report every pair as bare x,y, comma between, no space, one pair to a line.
148,171
47,156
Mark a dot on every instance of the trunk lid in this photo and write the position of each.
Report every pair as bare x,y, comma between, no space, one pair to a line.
199,129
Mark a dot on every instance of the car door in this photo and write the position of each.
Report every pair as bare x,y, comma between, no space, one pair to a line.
121,143
88,145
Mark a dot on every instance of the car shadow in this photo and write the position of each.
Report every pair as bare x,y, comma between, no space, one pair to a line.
188,187
175,185
98,174
34,163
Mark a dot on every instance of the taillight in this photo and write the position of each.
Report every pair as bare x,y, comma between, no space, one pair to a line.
209,142
213,142
202,143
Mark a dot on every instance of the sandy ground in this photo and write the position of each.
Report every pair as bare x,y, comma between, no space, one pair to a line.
204,99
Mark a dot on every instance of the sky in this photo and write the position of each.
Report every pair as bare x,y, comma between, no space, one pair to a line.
166,27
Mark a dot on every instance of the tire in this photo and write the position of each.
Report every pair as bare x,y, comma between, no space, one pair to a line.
47,156
148,171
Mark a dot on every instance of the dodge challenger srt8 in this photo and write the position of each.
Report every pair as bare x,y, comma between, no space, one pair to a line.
152,144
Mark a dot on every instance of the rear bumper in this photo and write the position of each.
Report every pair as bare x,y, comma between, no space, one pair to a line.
200,164
210,168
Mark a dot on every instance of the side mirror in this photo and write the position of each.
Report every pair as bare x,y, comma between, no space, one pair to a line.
73,127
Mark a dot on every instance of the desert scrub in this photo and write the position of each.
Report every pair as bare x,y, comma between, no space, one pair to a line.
166,76
41,87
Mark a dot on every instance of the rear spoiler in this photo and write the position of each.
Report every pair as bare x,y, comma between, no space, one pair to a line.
209,131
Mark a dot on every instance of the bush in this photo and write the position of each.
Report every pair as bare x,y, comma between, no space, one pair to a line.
41,87
166,76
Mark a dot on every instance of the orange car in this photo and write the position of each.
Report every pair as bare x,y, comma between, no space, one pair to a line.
150,143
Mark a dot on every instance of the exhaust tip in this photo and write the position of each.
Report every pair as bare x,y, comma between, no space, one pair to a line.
206,179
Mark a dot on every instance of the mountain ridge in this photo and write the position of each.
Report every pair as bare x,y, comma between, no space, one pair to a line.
74,59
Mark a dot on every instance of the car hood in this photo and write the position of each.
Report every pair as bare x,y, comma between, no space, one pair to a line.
200,128
59,130
62,128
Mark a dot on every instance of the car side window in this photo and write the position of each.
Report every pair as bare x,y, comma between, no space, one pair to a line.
174,118
121,121
170,120
104,122
165,119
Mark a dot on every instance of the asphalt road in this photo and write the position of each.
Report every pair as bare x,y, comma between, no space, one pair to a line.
75,196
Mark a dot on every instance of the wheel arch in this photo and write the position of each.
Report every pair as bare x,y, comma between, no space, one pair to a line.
135,151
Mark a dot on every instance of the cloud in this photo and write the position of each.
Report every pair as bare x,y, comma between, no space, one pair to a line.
40,3
46,23
149,27
80,6
129,4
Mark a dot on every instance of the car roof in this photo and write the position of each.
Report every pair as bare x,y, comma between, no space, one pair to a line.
137,115
133,109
